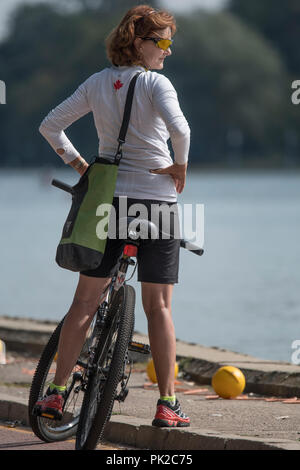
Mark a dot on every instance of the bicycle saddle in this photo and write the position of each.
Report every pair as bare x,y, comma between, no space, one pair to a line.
132,228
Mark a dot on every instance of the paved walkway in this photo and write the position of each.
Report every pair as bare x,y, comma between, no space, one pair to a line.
266,416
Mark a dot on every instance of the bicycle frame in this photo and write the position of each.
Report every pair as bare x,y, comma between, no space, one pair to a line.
101,317
129,251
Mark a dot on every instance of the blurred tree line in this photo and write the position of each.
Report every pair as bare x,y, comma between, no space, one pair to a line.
232,70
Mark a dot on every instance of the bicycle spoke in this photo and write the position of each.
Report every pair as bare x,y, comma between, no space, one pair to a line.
54,430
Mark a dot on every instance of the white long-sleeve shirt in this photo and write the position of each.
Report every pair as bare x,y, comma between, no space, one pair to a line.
155,117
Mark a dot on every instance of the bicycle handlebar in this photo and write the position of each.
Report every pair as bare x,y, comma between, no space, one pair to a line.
191,247
183,243
64,186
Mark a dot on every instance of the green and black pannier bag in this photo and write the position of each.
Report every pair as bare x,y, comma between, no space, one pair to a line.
81,247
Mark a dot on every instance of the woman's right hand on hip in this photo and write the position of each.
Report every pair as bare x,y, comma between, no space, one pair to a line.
178,173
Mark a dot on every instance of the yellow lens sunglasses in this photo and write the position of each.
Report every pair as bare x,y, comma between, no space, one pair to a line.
163,44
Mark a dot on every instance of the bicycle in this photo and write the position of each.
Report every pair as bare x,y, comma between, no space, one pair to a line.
102,371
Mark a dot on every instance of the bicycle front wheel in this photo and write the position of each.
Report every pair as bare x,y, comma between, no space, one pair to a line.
110,357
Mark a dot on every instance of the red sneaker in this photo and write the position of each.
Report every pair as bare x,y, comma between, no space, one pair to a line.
170,416
51,406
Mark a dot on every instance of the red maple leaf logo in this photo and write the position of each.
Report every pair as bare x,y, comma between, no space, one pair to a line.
118,85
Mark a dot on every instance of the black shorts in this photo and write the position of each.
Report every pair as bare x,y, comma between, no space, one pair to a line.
158,260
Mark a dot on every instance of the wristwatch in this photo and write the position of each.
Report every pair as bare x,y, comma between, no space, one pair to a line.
79,165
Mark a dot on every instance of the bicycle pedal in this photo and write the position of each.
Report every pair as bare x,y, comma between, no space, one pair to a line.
55,415
47,415
139,347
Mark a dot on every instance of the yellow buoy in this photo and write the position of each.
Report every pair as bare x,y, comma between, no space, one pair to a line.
228,382
152,374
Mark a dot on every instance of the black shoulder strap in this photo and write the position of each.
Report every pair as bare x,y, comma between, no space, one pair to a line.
126,117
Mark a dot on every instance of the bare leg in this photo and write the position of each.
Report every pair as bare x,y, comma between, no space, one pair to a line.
76,324
157,305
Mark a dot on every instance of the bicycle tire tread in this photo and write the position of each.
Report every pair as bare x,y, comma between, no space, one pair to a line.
38,380
105,406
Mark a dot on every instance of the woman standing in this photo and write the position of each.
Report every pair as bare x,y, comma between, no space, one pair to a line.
147,174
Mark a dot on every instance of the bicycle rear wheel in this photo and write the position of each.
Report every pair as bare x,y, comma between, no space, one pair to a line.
110,358
50,430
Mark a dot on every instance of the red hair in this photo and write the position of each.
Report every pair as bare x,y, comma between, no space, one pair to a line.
140,21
